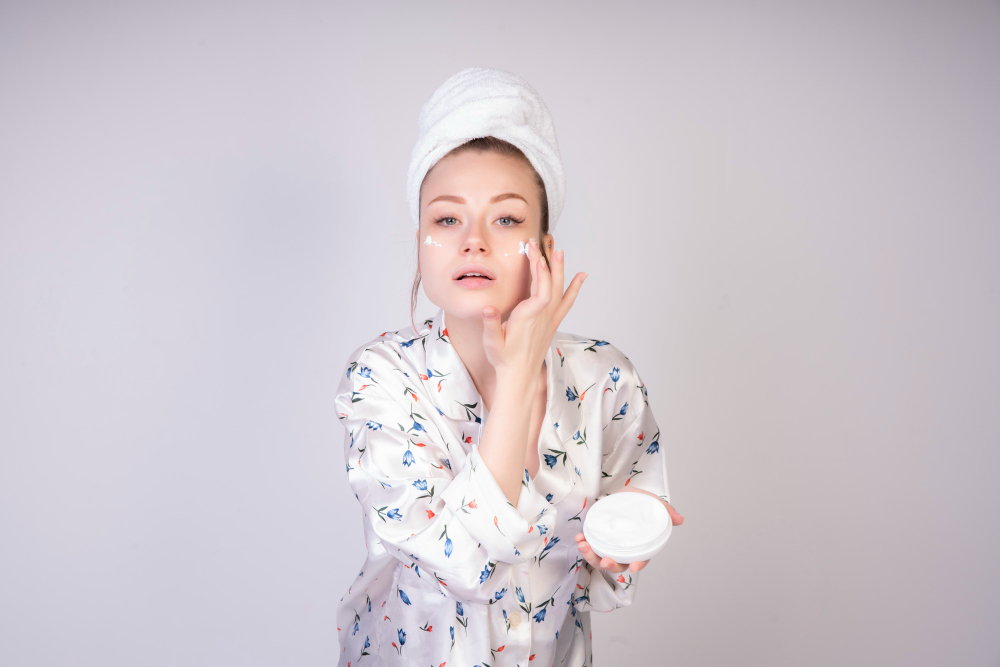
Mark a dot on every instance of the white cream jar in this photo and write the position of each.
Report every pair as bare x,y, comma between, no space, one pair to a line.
627,527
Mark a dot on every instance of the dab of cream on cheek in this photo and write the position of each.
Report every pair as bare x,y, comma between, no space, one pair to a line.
430,241
627,527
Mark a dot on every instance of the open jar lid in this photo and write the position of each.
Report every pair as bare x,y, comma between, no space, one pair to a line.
624,524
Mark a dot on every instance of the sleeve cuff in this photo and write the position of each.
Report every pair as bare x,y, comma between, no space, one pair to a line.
509,534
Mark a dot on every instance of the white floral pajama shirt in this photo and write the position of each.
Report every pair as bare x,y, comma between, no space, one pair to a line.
455,574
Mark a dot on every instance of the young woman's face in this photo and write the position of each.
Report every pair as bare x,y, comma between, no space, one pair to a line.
477,209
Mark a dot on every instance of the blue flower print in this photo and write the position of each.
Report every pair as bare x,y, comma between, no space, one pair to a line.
570,394
621,413
542,528
394,514
551,461
484,575
421,484
402,636
403,597
556,425
526,478
365,372
418,427
458,609
375,426
447,463
551,543
408,343
548,497
576,436
500,593
451,629
540,616
439,410
355,628
408,458
615,374
519,594
447,547
653,447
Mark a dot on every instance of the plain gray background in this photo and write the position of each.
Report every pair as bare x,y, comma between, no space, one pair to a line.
789,215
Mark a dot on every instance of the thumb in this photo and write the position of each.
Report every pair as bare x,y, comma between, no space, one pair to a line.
492,333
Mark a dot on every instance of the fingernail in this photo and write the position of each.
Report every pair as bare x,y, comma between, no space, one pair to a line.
586,275
559,255
534,243
488,313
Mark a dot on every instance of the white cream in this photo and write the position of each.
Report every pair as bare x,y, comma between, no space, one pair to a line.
430,241
522,248
627,527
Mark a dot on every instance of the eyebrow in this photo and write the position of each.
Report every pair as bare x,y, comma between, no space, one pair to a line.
461,200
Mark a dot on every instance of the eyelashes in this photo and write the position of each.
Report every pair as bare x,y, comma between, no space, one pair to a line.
514,220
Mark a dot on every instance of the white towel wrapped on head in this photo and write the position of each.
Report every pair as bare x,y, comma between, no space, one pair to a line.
481,102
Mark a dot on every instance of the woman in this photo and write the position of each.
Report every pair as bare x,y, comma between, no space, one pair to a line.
477,441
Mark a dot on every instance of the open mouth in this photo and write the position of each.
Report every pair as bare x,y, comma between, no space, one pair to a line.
468,276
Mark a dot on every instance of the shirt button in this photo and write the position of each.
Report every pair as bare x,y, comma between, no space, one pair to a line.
515,620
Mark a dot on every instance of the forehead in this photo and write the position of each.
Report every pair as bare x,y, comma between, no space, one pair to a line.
480,172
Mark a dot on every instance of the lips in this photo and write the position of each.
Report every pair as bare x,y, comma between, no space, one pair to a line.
464,272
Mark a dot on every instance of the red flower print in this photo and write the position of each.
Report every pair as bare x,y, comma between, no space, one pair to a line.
472,503
468,438
444,332
642,434
585,502
422,376
414,397
500,649
495,522
579,586
430,514
419,444
529,659
627,481
546,540
558,352
530,528
621,579
439,386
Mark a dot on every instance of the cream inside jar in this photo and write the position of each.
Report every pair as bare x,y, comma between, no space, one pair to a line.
627,527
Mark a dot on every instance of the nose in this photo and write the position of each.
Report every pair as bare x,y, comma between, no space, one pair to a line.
475,240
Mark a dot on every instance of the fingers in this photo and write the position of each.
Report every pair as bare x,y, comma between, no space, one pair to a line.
675,517
596,561
638,565
492,331
558,275
533,255
544,282
569,297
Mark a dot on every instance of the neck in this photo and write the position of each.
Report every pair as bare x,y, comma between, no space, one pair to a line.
466,337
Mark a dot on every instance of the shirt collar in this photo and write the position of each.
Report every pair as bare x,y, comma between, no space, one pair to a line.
456,397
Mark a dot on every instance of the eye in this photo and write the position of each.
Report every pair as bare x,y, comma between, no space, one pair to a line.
510,221
444,221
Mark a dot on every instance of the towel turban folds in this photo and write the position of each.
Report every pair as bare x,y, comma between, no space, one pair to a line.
480,102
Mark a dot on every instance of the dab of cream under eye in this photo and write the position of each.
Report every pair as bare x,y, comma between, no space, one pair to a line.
627,527
430,241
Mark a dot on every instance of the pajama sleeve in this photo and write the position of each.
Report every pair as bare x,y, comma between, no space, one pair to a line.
635,461
457,529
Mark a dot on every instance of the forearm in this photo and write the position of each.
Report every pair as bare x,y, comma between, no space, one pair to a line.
504,444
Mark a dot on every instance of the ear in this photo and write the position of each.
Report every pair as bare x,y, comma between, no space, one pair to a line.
548,243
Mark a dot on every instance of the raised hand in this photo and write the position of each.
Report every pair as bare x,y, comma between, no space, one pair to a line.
517,347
